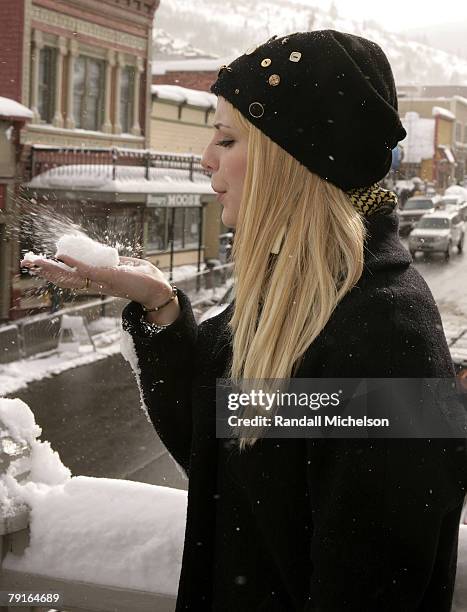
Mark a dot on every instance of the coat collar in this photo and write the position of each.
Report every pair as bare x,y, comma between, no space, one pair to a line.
382,247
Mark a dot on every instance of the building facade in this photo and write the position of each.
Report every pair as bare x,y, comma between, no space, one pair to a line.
451,132
83,68
182,121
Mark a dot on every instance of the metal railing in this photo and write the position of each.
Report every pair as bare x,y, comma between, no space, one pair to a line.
79,159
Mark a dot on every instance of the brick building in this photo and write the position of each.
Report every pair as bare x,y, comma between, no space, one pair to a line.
83,68
80,65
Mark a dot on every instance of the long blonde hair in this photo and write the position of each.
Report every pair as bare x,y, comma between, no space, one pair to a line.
283,301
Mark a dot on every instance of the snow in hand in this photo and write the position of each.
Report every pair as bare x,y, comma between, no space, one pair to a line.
33,258
88,251
97,530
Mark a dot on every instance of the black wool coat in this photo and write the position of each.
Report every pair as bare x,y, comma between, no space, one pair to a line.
327,525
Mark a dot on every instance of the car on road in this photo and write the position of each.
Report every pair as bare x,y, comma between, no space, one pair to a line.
414,209
454,202
438,232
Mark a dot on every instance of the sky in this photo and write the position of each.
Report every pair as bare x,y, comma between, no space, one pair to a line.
399,15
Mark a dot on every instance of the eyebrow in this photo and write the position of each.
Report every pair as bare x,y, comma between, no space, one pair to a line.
219,125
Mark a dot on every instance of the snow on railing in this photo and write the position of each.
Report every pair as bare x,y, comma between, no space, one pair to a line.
101,544
79,160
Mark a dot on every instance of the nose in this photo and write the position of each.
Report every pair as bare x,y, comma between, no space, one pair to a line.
208,161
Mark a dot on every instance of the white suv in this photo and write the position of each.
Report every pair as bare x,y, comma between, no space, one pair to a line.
438,231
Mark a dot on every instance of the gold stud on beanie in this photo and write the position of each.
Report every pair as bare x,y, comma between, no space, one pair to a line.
326,97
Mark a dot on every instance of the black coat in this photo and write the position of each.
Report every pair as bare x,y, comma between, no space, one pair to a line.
306,524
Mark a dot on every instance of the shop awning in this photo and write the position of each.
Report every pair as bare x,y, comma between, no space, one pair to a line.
105,178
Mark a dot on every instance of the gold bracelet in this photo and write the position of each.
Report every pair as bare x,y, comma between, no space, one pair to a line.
157,308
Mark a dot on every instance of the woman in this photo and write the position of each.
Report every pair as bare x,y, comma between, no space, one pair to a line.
304,129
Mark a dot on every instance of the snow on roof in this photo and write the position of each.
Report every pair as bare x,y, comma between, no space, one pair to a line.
420,140
193,97
189,65
439,111
14,110
128,179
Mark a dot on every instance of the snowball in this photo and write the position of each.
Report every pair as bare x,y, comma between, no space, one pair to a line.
88,251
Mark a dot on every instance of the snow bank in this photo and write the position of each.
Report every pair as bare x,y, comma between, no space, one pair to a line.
103,531
26,454
83,248
97,530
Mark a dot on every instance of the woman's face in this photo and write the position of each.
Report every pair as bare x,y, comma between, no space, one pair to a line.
226,158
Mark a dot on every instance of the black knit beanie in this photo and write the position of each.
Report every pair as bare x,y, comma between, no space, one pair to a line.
326,97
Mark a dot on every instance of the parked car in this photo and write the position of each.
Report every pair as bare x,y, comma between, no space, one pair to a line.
438,232
221,305
454,202
414,210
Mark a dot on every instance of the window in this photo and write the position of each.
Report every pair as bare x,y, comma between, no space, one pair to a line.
186,228
46,84
88,92
191,237
433,223
465,133
157,229
179,227
458,131
127,85
414,204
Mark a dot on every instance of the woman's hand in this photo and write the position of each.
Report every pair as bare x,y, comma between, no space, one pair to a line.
134,279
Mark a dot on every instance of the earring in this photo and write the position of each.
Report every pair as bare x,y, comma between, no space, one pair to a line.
278,242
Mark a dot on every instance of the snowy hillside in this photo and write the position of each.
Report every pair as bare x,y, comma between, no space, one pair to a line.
201,29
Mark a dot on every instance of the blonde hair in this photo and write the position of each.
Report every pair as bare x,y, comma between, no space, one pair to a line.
283,301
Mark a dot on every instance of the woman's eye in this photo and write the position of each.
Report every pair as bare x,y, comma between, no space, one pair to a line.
224,143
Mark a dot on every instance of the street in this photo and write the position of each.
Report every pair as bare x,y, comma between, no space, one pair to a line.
91,416
446,279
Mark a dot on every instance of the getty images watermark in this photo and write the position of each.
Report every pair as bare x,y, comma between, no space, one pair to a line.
342,408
